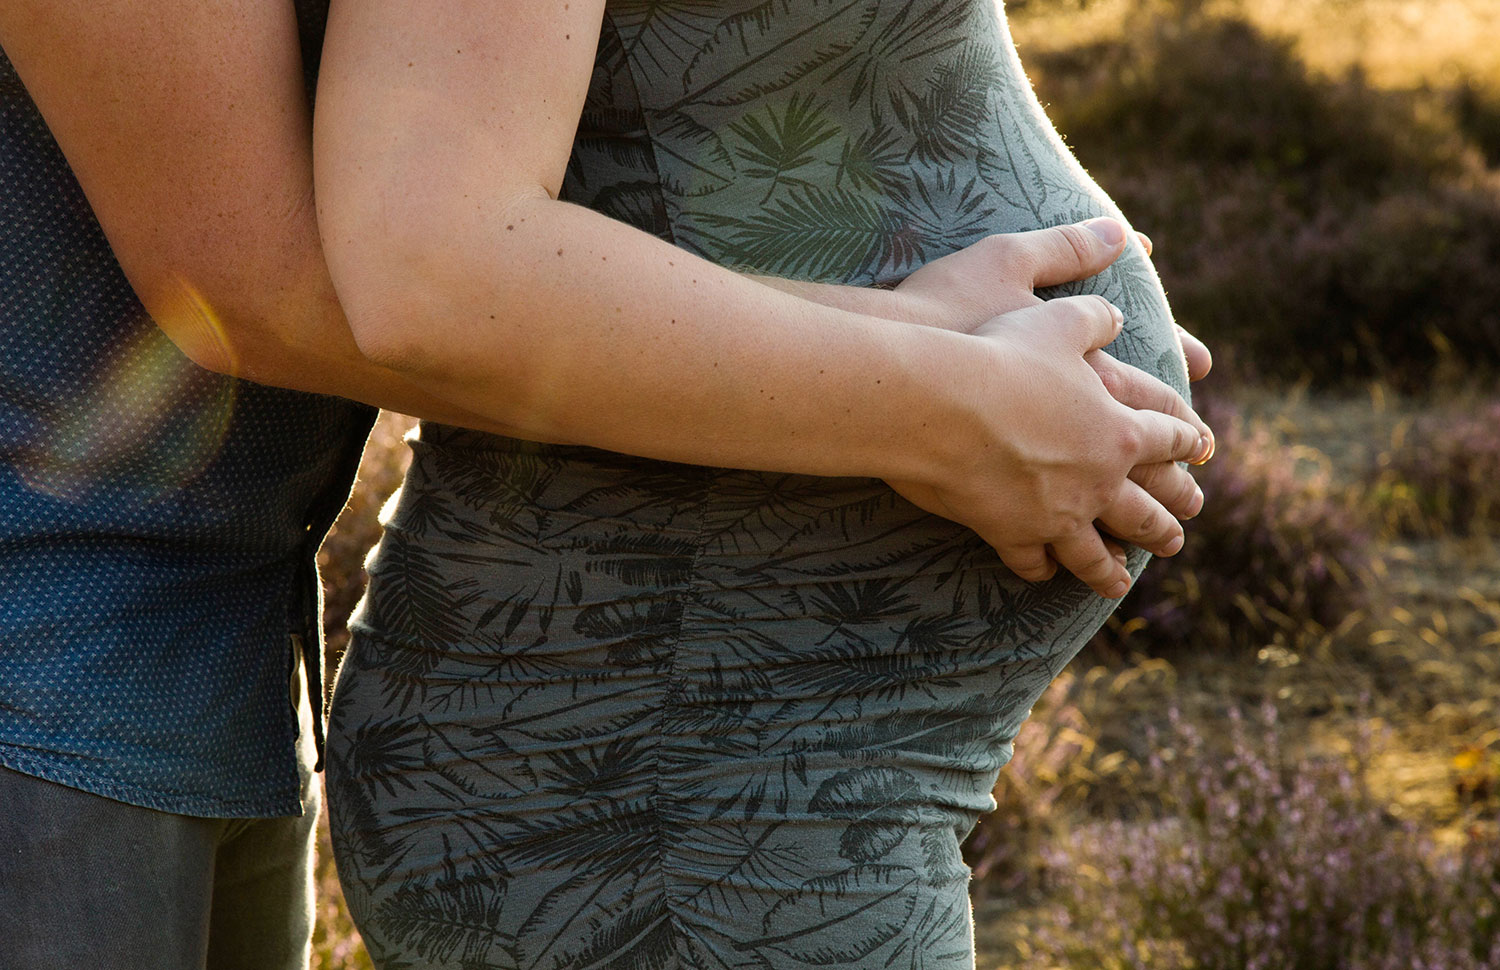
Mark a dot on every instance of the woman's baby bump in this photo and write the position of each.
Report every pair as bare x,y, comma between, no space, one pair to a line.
906,132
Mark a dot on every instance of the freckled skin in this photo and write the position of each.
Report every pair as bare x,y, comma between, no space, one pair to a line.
196,160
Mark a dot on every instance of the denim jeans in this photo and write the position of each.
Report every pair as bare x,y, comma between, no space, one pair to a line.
86,881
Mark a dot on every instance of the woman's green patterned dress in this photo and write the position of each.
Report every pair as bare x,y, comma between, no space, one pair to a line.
605,711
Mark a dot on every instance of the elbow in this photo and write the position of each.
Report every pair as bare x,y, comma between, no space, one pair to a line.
424,277
215,337
386,300
386,319
402,282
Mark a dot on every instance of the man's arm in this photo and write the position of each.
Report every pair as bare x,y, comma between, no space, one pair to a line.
187,126
186,123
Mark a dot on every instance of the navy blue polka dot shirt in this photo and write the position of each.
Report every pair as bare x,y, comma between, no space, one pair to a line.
158,522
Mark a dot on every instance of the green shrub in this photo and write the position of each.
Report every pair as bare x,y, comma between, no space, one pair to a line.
1311,227
1442,474
1478,112
1209,91
1276,553
1267,862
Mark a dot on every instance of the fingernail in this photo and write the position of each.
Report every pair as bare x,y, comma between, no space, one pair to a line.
1174,547
1109,230
1205,450
1118,589
1196,505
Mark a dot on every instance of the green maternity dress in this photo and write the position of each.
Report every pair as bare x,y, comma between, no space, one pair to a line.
602,711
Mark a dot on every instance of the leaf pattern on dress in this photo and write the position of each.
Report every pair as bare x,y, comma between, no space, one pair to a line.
452,916
604,711
946,116
772,45
871,799
841,919
813,233
782,143
640,940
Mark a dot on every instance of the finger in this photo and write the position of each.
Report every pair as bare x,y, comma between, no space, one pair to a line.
1140,391
1199,360
1031,563
1146,243
1116,550
1171,485
1161,437
1085,555
1063,254
1141,520
1087,322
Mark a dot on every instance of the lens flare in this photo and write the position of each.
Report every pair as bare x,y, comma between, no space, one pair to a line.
185,316
149,420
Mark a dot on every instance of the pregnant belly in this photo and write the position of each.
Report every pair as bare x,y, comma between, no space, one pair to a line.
854,164
848,142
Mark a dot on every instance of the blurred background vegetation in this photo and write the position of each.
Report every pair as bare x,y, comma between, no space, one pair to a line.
1284,751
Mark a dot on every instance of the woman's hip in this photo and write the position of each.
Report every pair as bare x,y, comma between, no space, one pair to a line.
675,815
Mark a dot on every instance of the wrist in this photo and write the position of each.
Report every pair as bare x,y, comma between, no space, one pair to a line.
917,305
942,427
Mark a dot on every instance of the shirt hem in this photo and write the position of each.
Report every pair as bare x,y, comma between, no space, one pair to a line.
198,806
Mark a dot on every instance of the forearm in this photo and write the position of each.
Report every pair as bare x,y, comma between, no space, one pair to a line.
554,319
281,324
887,304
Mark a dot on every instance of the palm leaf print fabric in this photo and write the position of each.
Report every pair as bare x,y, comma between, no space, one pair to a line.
602,711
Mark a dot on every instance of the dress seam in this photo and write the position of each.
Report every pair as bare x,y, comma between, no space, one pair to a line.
658,789
689,595
635,82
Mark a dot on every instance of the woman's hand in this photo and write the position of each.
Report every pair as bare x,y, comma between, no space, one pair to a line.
1001,273
967,290
1062,449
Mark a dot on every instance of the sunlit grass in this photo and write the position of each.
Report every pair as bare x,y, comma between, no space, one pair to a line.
336,943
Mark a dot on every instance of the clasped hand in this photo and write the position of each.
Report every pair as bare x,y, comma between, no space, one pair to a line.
1079,450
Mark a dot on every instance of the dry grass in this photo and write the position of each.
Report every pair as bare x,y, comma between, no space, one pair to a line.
1395,43
1417,671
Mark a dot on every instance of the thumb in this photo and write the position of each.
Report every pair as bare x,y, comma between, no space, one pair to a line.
1063,254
